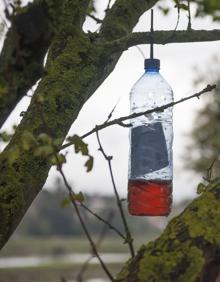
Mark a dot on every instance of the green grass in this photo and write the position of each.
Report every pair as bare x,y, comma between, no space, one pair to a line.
54,273
21,246
53,245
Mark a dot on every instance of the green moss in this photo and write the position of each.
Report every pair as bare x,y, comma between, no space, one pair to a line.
162,264
59,97
122,276
12,200
123,17
178,254
3,92
76,66
18,187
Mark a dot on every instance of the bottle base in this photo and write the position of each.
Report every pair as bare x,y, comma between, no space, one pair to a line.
149,197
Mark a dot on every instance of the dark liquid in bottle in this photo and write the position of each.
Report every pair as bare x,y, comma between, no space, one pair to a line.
151,197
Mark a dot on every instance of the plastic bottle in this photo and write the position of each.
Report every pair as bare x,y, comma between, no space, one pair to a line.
151,136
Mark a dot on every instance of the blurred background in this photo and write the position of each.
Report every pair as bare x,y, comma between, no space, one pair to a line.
49,244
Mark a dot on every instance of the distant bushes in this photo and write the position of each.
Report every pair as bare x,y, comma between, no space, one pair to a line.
46,217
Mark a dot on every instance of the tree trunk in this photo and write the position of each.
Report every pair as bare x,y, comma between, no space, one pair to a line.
21,60
77,64
189,248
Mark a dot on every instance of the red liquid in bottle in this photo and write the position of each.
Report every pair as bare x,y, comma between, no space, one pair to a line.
149,198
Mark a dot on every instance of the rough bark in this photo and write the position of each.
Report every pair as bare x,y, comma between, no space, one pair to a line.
189,248
164,37
77,64
122,17
27,41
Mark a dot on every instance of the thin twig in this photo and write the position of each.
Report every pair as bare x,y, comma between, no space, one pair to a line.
92,244
83,269
129,239
108,6
178,18
119,121
98,243
189,27
71,196
209,171
83,205
95,18
112,111
106,222
177,23
140,51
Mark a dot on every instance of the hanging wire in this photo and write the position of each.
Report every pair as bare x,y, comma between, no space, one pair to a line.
141,51
151,35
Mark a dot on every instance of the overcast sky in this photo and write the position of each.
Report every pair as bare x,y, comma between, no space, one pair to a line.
177,62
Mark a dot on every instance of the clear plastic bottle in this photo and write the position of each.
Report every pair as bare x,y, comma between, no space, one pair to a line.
151,136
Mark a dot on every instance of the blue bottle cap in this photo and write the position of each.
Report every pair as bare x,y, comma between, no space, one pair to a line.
152,64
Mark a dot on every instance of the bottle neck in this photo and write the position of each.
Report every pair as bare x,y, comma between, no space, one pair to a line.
151,70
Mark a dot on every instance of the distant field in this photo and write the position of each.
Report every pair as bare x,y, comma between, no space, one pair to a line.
55,273
21,247
53,245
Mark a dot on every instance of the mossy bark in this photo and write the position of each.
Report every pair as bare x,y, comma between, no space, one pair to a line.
77,64
189,248
27,41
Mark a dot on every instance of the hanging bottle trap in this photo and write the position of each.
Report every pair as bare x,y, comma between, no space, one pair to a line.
150,164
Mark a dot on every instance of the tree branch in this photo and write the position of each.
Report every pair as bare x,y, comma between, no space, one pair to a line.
79,276
129,239
74,201
83,224
189,27
25,46
105,221
75,11
187,250
163,37
119,121
62,93
123,16
97,20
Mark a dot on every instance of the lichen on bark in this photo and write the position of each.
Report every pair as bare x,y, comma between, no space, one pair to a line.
190,242
76,66
24,49
62,91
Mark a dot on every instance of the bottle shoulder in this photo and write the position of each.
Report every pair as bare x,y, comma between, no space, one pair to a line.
152,80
